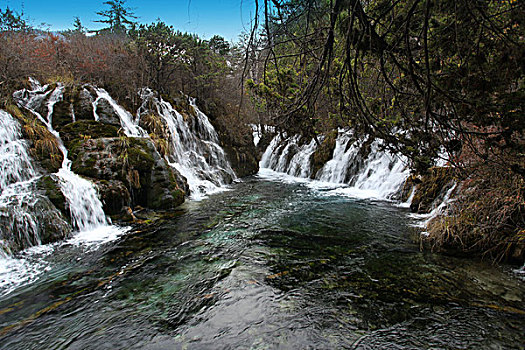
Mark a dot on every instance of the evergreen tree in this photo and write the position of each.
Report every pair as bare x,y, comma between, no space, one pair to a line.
118,17
78,27
12,21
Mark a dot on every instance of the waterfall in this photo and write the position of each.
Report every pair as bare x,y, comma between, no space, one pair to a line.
84,205
15,163
345,159
129,124
195,150
18,196
440,207
353,170
383,172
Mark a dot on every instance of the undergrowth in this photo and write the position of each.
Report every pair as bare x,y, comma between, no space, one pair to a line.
487,217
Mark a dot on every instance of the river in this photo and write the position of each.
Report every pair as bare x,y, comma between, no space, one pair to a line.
268,264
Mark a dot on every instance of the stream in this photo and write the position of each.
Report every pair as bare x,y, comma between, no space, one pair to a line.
267,264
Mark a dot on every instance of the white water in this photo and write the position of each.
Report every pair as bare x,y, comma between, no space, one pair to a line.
195,150
17,199
84,205
129,124
345,157
440,207
17,185
195,153
15,162
380,175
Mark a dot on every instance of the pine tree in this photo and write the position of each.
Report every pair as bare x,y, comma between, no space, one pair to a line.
12,21
118,17
78,27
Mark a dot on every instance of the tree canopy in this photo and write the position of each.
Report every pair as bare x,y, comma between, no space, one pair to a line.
429,77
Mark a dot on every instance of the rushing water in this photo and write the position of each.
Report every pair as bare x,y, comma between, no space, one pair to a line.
373,173
267,265
84,205
18,197
128,123
194,148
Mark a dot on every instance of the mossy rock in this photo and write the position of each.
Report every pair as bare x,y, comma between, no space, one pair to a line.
107,114
86,129
138,156
62,115
324,152
49,225
114,196
82,100
129,172
431,186
50,186
44,146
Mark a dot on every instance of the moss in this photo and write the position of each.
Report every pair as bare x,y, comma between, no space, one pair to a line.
140,160
86,168
176,191
86,129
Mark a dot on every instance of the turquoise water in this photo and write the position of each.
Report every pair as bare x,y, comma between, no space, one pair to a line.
266,265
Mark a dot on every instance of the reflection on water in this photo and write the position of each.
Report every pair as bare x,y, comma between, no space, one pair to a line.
267,265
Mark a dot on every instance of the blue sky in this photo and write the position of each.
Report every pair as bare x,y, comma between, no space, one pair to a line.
203,17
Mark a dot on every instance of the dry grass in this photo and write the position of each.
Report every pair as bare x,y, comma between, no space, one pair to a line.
161,144
488,217
154,124
44,143
158,132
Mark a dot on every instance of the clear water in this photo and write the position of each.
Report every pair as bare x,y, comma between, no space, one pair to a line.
267,265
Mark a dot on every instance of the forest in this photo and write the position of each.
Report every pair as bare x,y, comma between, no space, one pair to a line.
352,169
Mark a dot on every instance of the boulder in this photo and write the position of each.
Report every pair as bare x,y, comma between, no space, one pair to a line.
86,129
32,222
83,105
49,185
106,113
114,196
136,165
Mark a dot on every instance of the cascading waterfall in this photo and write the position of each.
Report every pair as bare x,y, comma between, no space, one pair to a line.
195,150
24,213
84,205
378,175
129,124
383,174
17,177
345,162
